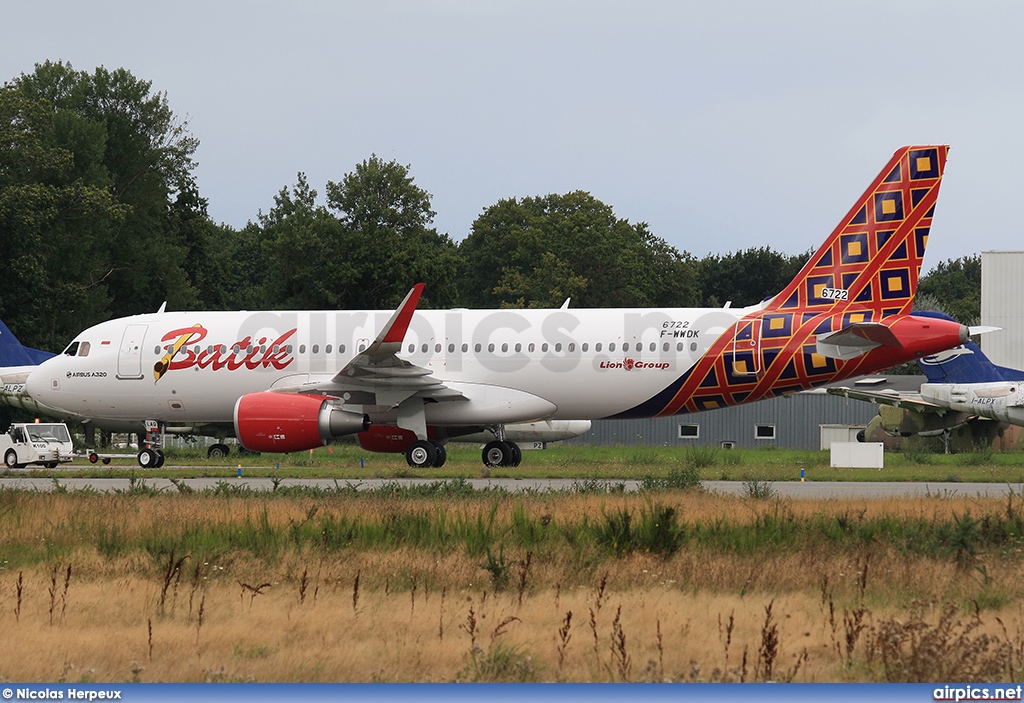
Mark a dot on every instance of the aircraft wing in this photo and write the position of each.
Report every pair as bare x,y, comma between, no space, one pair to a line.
906,401
376,375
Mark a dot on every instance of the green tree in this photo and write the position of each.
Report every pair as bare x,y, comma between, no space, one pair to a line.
125,139
746,277
386,220
54,223
363,250
535,252
308,265
956,286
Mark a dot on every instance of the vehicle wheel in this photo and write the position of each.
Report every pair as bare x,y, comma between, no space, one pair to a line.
517,454
496,453
217,451
147,458
94,457
442,455
159,459
105,460
11,459
421,454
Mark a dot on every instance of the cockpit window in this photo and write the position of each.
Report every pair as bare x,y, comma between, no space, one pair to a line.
72,349
83,349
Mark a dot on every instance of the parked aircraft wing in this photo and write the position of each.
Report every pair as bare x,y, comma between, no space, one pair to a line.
907,402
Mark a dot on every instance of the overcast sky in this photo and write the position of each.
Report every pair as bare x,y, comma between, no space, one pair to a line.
724,125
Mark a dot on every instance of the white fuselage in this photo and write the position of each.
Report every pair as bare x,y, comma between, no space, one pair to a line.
586,364
998,400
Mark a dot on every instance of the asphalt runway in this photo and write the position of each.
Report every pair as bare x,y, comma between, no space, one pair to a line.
786,489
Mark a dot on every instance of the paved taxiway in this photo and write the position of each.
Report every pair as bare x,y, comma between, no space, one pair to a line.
786,489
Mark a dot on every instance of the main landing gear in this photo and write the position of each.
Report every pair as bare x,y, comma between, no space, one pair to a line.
502,453
423,454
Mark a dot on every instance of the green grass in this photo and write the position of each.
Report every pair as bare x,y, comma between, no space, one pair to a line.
348,462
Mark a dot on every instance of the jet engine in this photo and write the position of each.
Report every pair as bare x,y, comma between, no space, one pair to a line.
291,422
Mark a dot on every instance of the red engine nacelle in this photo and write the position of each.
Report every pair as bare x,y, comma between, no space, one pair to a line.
389,439
291,422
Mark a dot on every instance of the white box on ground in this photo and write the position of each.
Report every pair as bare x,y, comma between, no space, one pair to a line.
857,455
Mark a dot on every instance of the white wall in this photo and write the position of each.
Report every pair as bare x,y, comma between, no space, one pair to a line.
1002,305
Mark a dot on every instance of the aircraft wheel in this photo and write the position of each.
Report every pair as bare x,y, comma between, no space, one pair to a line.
421,454
147,458
51,464
11,459
217,451
497,453
159,459
517,454
442,455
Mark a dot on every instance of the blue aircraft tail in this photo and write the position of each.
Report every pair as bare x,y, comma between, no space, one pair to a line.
12,353
963,364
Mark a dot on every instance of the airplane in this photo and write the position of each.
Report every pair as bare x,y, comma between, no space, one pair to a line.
964,390
285,381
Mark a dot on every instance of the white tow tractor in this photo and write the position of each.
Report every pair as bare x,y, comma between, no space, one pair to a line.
47,443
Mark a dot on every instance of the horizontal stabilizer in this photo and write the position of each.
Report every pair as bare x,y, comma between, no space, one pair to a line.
855,340
982,329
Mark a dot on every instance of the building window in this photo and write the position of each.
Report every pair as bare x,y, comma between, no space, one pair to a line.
689,431
764,431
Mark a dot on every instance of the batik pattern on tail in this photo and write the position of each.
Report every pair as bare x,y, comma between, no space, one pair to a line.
867,270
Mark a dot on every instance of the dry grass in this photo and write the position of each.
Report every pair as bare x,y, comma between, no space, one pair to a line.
74,610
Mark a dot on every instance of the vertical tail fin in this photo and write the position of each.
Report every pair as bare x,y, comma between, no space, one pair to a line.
871,262
866,271
12,353
963,364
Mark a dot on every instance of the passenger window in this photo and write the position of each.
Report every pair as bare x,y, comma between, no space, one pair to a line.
328,349
451,348
611,347
558,347
316,348
412,348
584,347
477,348
437,348
519,347
544,347
597,347
679,346
424,348
665,347
653,346
465,348
490,347
531,348
504,347
572,346
341,348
